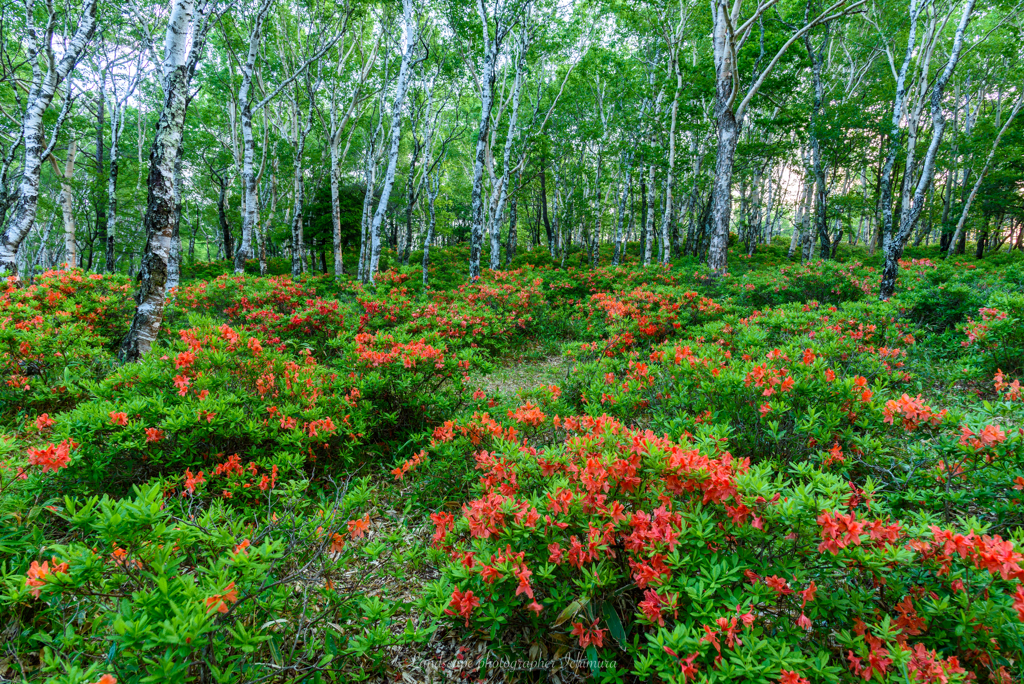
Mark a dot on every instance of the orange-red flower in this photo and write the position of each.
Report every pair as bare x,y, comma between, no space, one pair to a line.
53,457
589,635
37,574
462,604
219,602
789,677
357,528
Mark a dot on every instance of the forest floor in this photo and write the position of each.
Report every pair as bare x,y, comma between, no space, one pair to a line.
553,475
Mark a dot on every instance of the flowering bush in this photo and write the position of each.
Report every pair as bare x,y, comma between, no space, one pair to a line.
277,309
212,393
493,313
56,336
824,281
170,590
675,558
995,339
646,314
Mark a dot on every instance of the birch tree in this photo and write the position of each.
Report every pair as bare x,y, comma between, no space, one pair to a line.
250,174
500,185
66,174
731,29
339,121
672,38
410,30
981,177
895,241
187,29
503,15
121,90
250,215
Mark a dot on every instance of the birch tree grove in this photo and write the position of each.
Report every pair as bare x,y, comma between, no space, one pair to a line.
524,132
39,51
628,341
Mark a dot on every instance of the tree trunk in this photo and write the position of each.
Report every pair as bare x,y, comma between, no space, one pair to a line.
192,238
649,225
818,163
895,243
433,189
116,126
250,210
476,236
67,203
401,89
101,202
163,156
623,196
667,210
721,200
222,217
544,210
981,176
174,262
339,264
299,191
644,209
512,241
498,215
410,201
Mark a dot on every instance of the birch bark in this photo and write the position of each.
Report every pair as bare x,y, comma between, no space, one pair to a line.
67,203
981,176
180,61
397,111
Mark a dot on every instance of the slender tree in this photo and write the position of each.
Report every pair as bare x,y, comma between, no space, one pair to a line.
187,29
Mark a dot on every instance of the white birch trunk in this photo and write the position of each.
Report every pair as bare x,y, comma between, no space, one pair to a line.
250,209
161,209
624,185
649,225
498,215
491,48
666,217
67,203
981,176
397,110
174,261
895,243
299,196
433,190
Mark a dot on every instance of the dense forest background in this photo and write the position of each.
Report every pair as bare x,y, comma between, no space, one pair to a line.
325,132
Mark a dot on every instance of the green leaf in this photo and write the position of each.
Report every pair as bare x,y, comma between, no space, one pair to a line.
614,624
595,664
571,610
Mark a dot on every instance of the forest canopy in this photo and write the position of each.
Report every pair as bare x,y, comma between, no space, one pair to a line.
679,125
